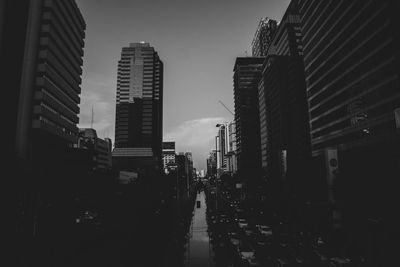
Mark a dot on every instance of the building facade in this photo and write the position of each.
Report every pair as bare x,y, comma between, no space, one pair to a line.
247,73
138,121
262,38
351,59
212,164
102,148
41,54
168,154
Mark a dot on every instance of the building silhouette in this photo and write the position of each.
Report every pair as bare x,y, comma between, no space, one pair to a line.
41,53
284,124
138,120
351,57
247,73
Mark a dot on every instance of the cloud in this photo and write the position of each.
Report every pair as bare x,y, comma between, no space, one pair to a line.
197,136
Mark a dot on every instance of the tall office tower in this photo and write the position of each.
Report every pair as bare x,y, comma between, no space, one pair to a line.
263,37
285,142
41,57
247,72
45,39
138,121
287,38
351,57
283,103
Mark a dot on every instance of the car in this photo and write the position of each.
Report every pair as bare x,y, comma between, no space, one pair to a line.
242,223
264,230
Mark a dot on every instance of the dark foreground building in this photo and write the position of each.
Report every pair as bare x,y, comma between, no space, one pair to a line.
41,54
247,73
351,56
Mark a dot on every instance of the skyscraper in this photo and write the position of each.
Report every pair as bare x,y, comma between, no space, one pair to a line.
41,49
247,72
45,39
351,58
138,121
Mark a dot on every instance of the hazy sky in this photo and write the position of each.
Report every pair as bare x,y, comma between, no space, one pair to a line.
198,41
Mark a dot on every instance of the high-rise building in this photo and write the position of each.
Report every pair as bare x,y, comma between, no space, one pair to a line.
263,37
41,49
46,41
351,58
283,103
138,121
285,142
247,73
287,39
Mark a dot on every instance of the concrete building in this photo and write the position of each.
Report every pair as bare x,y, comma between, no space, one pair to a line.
285,141
102,155
247,73
41,46
138,120
168,154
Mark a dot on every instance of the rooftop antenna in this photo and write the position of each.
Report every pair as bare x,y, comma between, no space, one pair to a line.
91,123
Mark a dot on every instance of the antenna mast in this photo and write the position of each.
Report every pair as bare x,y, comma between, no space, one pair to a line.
91,123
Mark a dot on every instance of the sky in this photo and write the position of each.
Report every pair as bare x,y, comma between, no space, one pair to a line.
198,42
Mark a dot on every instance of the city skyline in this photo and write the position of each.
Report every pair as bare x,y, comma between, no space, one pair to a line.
198,54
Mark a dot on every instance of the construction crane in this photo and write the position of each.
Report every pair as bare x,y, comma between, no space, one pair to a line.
226,107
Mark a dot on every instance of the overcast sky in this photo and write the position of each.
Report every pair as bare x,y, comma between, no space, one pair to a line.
198,41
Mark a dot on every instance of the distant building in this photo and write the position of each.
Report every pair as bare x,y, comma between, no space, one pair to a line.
102,157
263,37
168,154
231,159
247,73
138,121
212,163
221,146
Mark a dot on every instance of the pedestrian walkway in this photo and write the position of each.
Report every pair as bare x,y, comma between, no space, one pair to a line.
199,250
